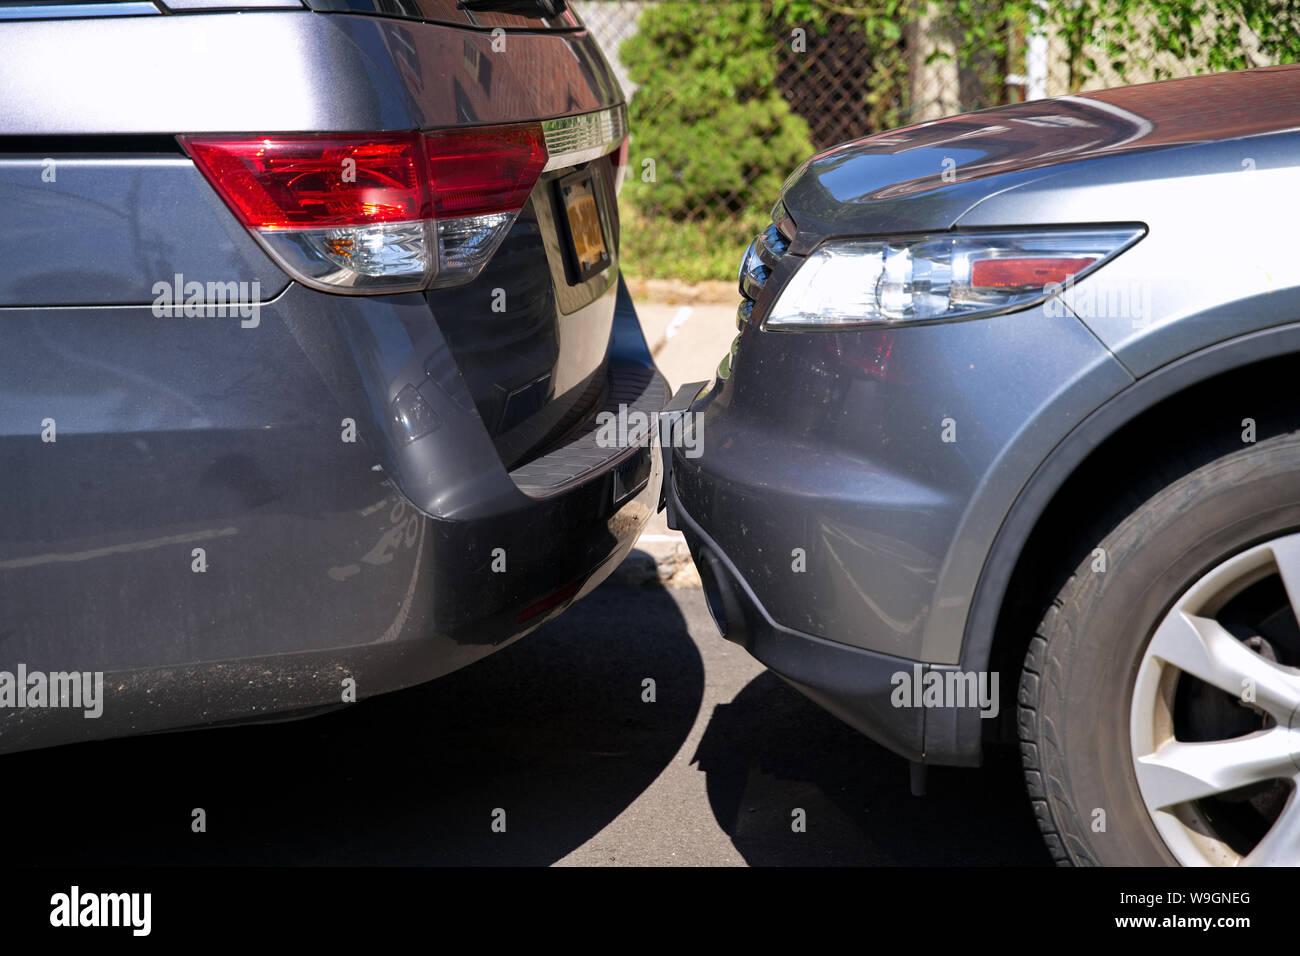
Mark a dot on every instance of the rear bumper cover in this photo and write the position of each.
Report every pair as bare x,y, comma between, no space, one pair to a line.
377,561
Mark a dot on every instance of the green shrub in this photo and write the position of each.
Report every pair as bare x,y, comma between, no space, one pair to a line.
712,137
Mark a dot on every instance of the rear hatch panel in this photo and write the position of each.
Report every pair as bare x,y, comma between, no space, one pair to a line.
124,209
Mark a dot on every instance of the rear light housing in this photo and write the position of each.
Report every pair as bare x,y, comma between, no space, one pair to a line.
377,212
620,163
864,283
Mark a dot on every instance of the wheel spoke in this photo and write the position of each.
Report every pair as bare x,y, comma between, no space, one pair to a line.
1180,771
1174,773
1286,555
1281,844
1202,647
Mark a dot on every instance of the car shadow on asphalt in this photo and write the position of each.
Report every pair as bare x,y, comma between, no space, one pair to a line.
551,730
771,752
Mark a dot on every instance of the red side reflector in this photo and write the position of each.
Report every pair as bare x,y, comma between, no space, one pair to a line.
483,170
315,181
1025,271
549,602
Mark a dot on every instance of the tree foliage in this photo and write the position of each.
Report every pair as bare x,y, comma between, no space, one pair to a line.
713,137
1143,37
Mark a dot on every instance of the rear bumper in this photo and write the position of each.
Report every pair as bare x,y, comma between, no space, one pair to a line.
383,562
501,571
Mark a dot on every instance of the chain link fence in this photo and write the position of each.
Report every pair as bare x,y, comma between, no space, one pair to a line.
726,98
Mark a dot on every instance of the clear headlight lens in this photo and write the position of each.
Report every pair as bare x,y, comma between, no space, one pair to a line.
943,277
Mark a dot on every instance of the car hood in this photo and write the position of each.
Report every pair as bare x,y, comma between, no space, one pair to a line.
927,176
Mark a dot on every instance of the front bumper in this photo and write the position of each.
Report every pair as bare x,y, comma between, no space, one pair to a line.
854,483
853,684
857,479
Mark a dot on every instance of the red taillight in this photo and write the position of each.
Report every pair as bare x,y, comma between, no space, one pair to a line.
377,212
313,182
1026,271
484,170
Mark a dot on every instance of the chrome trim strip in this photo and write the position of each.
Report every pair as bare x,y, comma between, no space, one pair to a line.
770,247
753,273
571,140
180,5
785,226
762,256
62,11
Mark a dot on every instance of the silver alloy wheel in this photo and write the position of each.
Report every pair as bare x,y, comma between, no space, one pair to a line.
1173,774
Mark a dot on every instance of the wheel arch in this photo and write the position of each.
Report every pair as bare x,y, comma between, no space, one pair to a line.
1120,441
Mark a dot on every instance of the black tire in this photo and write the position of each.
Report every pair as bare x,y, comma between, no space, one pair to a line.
1077,683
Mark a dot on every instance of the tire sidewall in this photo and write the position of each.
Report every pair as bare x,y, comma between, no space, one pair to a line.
1106,621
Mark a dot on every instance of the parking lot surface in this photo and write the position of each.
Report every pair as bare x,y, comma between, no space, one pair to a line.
555,732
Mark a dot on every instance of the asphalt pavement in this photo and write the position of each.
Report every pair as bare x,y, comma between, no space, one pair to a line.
556,732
